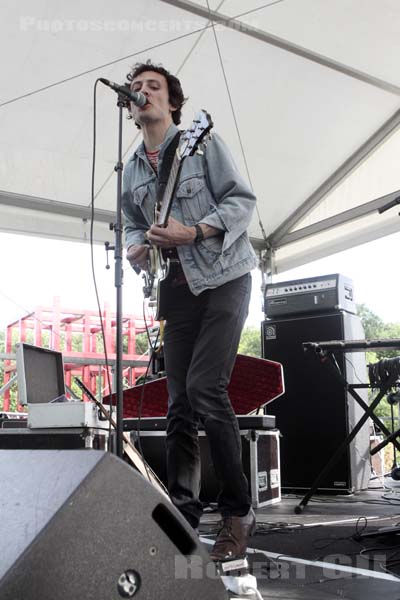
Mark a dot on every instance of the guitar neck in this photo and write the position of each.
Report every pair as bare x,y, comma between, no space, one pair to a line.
168,195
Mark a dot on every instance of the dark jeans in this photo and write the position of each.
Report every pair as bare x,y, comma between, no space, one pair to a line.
202,335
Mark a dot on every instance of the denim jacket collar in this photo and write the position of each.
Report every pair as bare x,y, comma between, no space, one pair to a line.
141,152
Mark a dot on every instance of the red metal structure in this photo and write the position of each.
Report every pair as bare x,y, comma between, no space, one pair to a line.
77,334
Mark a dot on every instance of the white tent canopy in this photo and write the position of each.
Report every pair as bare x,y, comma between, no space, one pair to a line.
305,92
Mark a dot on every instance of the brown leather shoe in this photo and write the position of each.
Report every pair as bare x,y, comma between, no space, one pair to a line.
232,538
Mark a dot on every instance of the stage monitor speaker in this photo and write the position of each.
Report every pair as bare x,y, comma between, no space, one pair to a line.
316,413
83,524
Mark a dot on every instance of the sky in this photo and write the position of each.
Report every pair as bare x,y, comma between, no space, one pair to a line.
373,268
34,270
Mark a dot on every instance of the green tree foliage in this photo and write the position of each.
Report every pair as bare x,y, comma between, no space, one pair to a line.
376,329
142,343
373,325
250,342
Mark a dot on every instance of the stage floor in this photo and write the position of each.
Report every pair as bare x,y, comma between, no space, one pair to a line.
315,556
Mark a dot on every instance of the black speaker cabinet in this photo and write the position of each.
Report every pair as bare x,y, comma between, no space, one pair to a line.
83,524
316,413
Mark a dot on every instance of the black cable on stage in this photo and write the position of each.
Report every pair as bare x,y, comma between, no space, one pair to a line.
142,391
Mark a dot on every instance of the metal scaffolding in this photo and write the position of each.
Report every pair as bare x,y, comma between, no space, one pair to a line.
77,334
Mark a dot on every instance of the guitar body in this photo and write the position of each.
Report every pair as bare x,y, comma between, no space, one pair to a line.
162,300
158,275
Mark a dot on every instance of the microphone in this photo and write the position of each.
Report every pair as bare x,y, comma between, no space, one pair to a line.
137,98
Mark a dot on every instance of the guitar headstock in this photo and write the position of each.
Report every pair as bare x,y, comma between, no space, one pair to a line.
196,134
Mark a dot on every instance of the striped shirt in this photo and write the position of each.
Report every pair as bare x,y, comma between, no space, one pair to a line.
153,159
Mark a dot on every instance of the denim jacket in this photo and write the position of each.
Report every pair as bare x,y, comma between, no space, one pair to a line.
210,190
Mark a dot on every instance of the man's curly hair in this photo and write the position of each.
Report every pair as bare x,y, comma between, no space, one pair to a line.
175,92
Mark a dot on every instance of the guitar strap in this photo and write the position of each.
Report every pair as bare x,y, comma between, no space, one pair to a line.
166,167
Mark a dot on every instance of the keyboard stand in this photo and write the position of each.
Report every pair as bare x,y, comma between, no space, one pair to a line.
324,351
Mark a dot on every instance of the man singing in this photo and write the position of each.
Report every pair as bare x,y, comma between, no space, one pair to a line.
210,294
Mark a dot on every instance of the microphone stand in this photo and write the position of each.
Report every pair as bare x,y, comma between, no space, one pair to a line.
119,275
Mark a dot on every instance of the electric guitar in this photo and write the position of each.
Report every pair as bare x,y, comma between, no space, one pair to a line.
159,268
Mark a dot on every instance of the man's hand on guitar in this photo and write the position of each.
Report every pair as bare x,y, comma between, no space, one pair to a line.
138,256
174,234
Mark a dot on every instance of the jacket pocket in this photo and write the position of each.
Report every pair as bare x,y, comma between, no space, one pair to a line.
141,199
194,197
212,246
